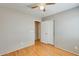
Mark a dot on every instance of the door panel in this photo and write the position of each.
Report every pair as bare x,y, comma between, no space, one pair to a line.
47,31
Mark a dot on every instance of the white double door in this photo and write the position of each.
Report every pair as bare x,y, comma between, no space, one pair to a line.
47,31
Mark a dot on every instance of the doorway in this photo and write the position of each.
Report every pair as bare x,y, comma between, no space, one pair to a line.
37,31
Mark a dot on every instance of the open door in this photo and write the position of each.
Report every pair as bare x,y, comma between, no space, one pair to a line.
37,30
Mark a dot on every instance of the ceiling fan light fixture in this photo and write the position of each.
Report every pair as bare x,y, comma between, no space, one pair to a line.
41,7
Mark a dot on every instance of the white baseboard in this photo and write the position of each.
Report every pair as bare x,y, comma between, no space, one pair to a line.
17,48
60,48
67,50
47,42
44,42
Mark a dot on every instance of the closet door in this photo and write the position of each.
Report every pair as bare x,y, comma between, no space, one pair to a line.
47,31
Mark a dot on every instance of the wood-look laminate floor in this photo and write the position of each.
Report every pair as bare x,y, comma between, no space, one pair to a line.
40,49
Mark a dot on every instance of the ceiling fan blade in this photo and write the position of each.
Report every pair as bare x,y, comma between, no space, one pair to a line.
34,7
50,3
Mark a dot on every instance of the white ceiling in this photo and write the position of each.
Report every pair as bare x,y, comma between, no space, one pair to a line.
50,10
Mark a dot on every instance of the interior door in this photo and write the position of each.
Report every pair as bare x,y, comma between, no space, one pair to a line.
47,31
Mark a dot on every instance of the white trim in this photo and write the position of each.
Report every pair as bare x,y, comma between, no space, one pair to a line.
66,50
18,48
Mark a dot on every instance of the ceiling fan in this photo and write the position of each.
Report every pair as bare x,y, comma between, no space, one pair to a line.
41,6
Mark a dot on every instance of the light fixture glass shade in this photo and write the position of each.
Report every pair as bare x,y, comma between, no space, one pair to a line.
41,7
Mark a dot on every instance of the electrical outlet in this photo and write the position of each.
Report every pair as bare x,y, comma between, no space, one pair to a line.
76,47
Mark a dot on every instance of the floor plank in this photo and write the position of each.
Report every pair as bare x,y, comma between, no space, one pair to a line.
40,49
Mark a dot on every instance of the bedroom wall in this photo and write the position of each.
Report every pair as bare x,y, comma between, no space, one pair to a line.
66,29
16,30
